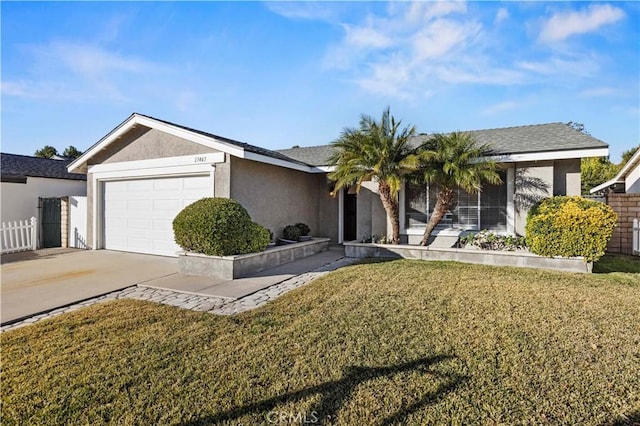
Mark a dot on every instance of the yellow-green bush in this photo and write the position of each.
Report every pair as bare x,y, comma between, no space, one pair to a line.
570,226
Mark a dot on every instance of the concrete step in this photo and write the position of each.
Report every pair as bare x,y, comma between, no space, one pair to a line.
446,238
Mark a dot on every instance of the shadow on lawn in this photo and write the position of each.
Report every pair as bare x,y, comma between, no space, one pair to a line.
335,393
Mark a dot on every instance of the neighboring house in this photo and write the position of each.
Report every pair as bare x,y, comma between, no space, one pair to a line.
141,174
28,183
627,181
622,193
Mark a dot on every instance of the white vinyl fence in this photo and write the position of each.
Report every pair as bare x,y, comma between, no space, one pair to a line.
636,237
19,235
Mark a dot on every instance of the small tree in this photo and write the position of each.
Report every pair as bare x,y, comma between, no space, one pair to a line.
626,156
46,152
594,171
71,152
453,161
376,150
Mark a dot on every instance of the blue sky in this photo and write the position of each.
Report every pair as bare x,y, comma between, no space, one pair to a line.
287,73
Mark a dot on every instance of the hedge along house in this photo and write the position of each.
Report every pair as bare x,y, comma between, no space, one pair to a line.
143,172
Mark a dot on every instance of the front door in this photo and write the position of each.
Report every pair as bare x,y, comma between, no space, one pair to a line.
51,222
350,216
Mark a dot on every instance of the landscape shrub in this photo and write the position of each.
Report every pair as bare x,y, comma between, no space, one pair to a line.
291,233
488,240
304,228
570,226
218,227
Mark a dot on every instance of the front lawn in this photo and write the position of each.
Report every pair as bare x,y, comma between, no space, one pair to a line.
404,342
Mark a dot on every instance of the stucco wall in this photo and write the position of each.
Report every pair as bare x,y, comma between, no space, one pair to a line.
142,143
276,196
371,216
566,177
20,200
328,213
534,181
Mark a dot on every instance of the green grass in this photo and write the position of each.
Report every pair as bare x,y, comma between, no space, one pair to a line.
399,342
621,263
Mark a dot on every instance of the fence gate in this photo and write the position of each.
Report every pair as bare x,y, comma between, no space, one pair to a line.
51,222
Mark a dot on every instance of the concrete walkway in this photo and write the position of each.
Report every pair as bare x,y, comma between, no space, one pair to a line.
199,302
56,281
241,287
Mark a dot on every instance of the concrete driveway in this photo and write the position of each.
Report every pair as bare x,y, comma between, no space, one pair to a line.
34,284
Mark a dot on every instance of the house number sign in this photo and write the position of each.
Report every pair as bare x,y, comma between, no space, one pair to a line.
200,159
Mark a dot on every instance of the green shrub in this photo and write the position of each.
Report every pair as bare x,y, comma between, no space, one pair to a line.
304,228
218,227
291,232
570,226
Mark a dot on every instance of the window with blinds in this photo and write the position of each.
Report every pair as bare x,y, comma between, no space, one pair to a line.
486,210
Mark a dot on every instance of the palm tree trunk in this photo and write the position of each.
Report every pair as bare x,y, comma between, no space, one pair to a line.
390,204
443,204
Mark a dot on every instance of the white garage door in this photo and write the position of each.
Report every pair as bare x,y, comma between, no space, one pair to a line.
138,214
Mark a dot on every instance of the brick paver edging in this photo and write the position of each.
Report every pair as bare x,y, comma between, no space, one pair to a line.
211,304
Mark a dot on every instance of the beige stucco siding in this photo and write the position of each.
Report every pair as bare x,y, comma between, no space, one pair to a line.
534,181
328,213
142,143
371,216
276,196
566,177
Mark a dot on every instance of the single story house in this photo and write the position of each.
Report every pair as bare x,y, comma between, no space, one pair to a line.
143,172
35,187
627,181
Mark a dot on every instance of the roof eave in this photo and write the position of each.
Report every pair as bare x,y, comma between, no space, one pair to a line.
79,165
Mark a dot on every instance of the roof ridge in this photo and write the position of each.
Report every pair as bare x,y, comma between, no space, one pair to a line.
496,128
31,156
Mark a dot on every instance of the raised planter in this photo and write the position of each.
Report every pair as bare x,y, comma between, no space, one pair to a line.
230,267
484,257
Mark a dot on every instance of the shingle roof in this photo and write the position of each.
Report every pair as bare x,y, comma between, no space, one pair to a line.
243,145
504,141
14,166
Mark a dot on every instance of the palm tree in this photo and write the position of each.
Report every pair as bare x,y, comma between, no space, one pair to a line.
375,151
452,161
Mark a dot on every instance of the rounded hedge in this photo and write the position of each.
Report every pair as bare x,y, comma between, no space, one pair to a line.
291,233
304,228
218,227
570,226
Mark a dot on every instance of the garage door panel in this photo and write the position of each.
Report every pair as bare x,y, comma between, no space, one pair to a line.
138,214
167,184
140,185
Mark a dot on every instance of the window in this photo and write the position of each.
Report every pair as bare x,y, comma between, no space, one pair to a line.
487,210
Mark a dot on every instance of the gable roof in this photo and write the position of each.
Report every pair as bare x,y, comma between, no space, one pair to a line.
621,177
522,143
229,146
16,168
536,138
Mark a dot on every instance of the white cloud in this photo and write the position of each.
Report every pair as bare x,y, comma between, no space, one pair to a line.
501,15
366,37
307,10
557,66
565,24
441,36
424,11
64,70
